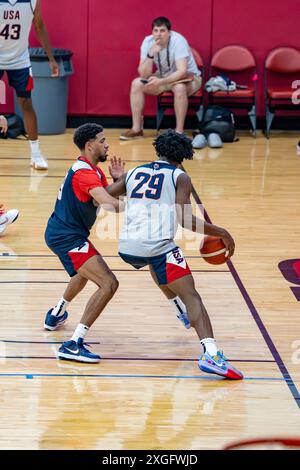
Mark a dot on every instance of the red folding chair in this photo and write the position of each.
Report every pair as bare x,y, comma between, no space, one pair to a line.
240,66
281,66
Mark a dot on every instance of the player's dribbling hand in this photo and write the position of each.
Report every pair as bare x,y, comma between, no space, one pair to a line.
3,124
116,167
229,243
54,68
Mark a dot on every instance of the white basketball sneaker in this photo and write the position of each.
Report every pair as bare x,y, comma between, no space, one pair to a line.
7,217
39,162
199,142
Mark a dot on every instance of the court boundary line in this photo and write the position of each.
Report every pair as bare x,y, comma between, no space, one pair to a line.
117,269
113,270
140,376
256,317
37,342
68,160
154,359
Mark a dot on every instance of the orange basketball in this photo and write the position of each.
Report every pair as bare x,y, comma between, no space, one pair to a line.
213,250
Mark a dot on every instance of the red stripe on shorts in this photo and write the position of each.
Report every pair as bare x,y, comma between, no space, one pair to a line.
176,265
81,254
30,84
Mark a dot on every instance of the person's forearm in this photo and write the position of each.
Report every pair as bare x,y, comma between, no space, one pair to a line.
145,68
115,190
116,207
191,222
213,230
178,75
43,38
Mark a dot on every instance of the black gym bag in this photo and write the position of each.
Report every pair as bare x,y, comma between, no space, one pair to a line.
218,120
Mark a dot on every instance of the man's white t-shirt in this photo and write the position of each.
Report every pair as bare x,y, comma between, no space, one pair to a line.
178,48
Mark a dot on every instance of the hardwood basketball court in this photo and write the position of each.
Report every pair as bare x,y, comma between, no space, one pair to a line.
147,392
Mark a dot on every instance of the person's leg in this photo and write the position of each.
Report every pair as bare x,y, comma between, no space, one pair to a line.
194,85
57,315
76,284
137,103
30,122
184,288
21,80
96,270
30,119
7,217
175,301
212,361
180,104
70,259
173,273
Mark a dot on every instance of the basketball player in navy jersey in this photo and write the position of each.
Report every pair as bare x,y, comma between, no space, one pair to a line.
158,196
16,17
84,188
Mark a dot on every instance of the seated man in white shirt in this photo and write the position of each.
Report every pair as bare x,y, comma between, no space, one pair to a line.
174,61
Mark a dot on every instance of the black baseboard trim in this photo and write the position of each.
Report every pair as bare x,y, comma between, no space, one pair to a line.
124,122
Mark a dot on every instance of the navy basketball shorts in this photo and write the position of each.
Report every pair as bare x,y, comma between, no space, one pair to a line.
74,256
21,80
168,267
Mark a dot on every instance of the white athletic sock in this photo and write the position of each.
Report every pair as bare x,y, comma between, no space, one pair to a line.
60,308
80,332
34,147
209,346
178,305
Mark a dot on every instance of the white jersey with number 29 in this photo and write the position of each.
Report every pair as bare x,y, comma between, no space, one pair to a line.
150,221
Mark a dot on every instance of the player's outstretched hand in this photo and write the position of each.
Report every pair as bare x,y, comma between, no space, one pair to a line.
116,167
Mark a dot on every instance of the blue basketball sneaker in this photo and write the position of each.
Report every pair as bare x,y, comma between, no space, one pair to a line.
183,317
218,365
52,322
73,351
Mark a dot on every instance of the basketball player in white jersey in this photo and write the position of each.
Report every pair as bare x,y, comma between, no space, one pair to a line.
158,195
16,17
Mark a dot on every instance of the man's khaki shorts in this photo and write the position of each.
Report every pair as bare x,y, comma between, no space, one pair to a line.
194,85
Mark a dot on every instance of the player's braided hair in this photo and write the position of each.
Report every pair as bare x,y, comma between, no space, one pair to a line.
85,133
174,146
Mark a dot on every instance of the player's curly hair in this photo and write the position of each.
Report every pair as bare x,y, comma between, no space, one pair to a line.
174,146
85,133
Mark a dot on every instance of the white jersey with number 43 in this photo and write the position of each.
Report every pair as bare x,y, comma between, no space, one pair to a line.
15,23
150,221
